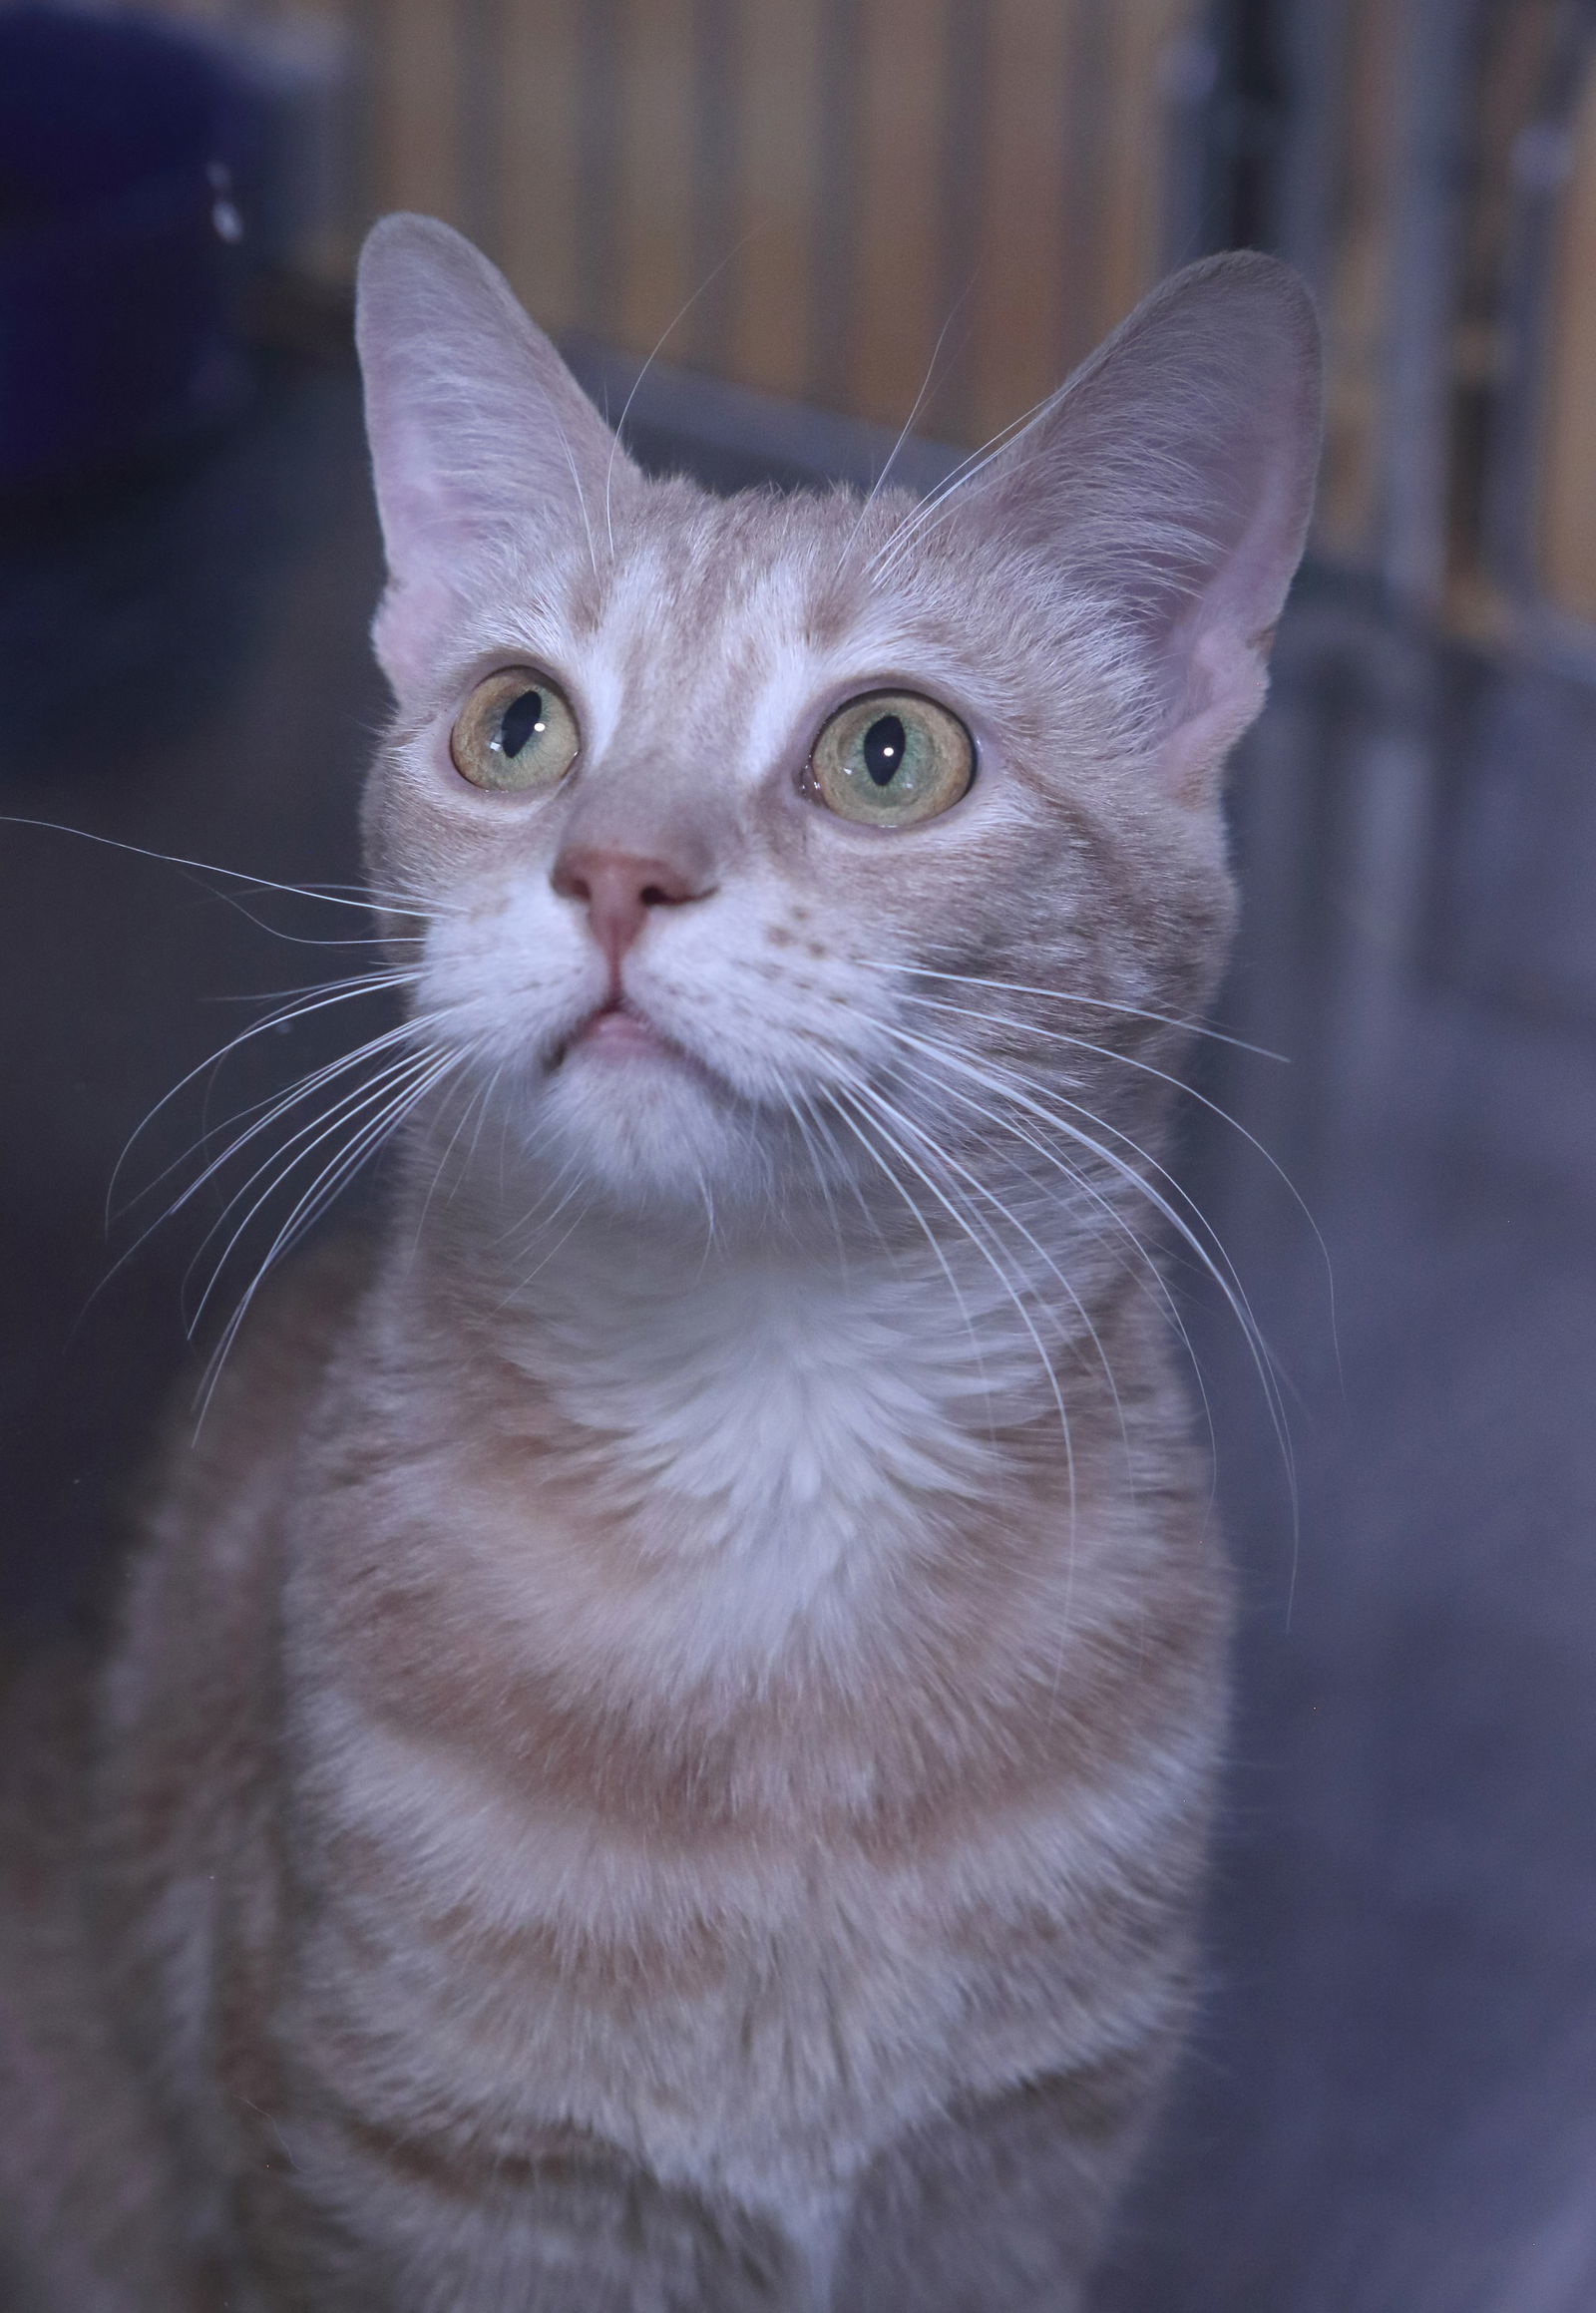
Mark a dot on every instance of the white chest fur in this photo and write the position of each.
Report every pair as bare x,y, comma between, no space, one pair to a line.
782,1408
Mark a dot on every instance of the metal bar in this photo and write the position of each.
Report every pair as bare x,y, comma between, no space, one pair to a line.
1517,419
1426,245
1309,155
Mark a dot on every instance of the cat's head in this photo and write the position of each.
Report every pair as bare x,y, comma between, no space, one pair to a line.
775,843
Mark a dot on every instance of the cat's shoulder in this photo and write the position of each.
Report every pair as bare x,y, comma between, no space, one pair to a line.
189,1637
300,1312
250,1410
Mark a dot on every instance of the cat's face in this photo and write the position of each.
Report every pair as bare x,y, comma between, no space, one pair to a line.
692,943
769,847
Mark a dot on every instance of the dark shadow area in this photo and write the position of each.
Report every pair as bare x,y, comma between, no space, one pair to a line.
182,668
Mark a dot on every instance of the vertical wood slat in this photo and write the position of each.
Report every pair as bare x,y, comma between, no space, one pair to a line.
895,206
1498,369
775,197
966,122
831,244
1017,300
1435,78
1086,128
1567,492
595,244
479,126
1142,39
541,110
716,171
415,152
864,170
655,90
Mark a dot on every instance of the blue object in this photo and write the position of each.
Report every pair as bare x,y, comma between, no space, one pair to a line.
121,140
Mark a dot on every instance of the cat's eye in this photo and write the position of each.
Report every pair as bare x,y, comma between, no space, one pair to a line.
891,759
515,734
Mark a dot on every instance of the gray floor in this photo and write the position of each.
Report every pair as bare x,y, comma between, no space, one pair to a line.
1391,2108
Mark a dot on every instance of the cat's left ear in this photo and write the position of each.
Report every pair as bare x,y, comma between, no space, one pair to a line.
1171,481
481,442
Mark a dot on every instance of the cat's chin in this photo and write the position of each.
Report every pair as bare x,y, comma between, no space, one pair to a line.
644,1123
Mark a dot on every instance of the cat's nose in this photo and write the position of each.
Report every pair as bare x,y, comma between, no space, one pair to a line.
619,888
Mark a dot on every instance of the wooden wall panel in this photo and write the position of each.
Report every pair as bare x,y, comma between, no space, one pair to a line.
1141,40
1029,246
414,131
899,295
657,264
1567,509
802,193
1070,210
539,158
775,195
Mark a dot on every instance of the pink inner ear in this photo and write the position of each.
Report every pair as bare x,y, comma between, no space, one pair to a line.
1224,679
1173,478
1216,646
406,630
478,431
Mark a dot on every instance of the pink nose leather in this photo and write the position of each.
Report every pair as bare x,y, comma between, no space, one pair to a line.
618,888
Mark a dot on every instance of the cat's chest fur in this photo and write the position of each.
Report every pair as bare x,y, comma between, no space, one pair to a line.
758,2018
768,1428
687,1771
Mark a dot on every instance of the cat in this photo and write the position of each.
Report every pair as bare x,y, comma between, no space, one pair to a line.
657,1754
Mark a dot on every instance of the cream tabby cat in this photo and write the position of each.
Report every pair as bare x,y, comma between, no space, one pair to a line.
656,1756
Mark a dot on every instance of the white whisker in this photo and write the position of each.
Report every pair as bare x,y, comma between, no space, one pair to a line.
1215,1263
873,1100
1146,1068
860,1094
313,1202
880,481
999,1124
655,351
300,1089
313,1134
965,470
1069,995
209,867
355,984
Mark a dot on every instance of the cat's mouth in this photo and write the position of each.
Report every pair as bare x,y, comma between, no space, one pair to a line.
616,1033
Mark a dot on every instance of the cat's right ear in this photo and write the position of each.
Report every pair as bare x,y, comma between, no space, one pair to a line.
1169,484
480,438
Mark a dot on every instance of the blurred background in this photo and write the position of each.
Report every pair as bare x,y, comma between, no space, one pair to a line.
829,221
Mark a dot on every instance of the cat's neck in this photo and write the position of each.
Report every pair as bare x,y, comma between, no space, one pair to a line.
762,1368
676,1479
770,1396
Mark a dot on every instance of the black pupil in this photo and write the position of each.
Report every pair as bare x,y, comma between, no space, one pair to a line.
522,716
884,749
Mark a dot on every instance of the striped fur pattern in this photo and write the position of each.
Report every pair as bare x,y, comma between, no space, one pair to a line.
656,1755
